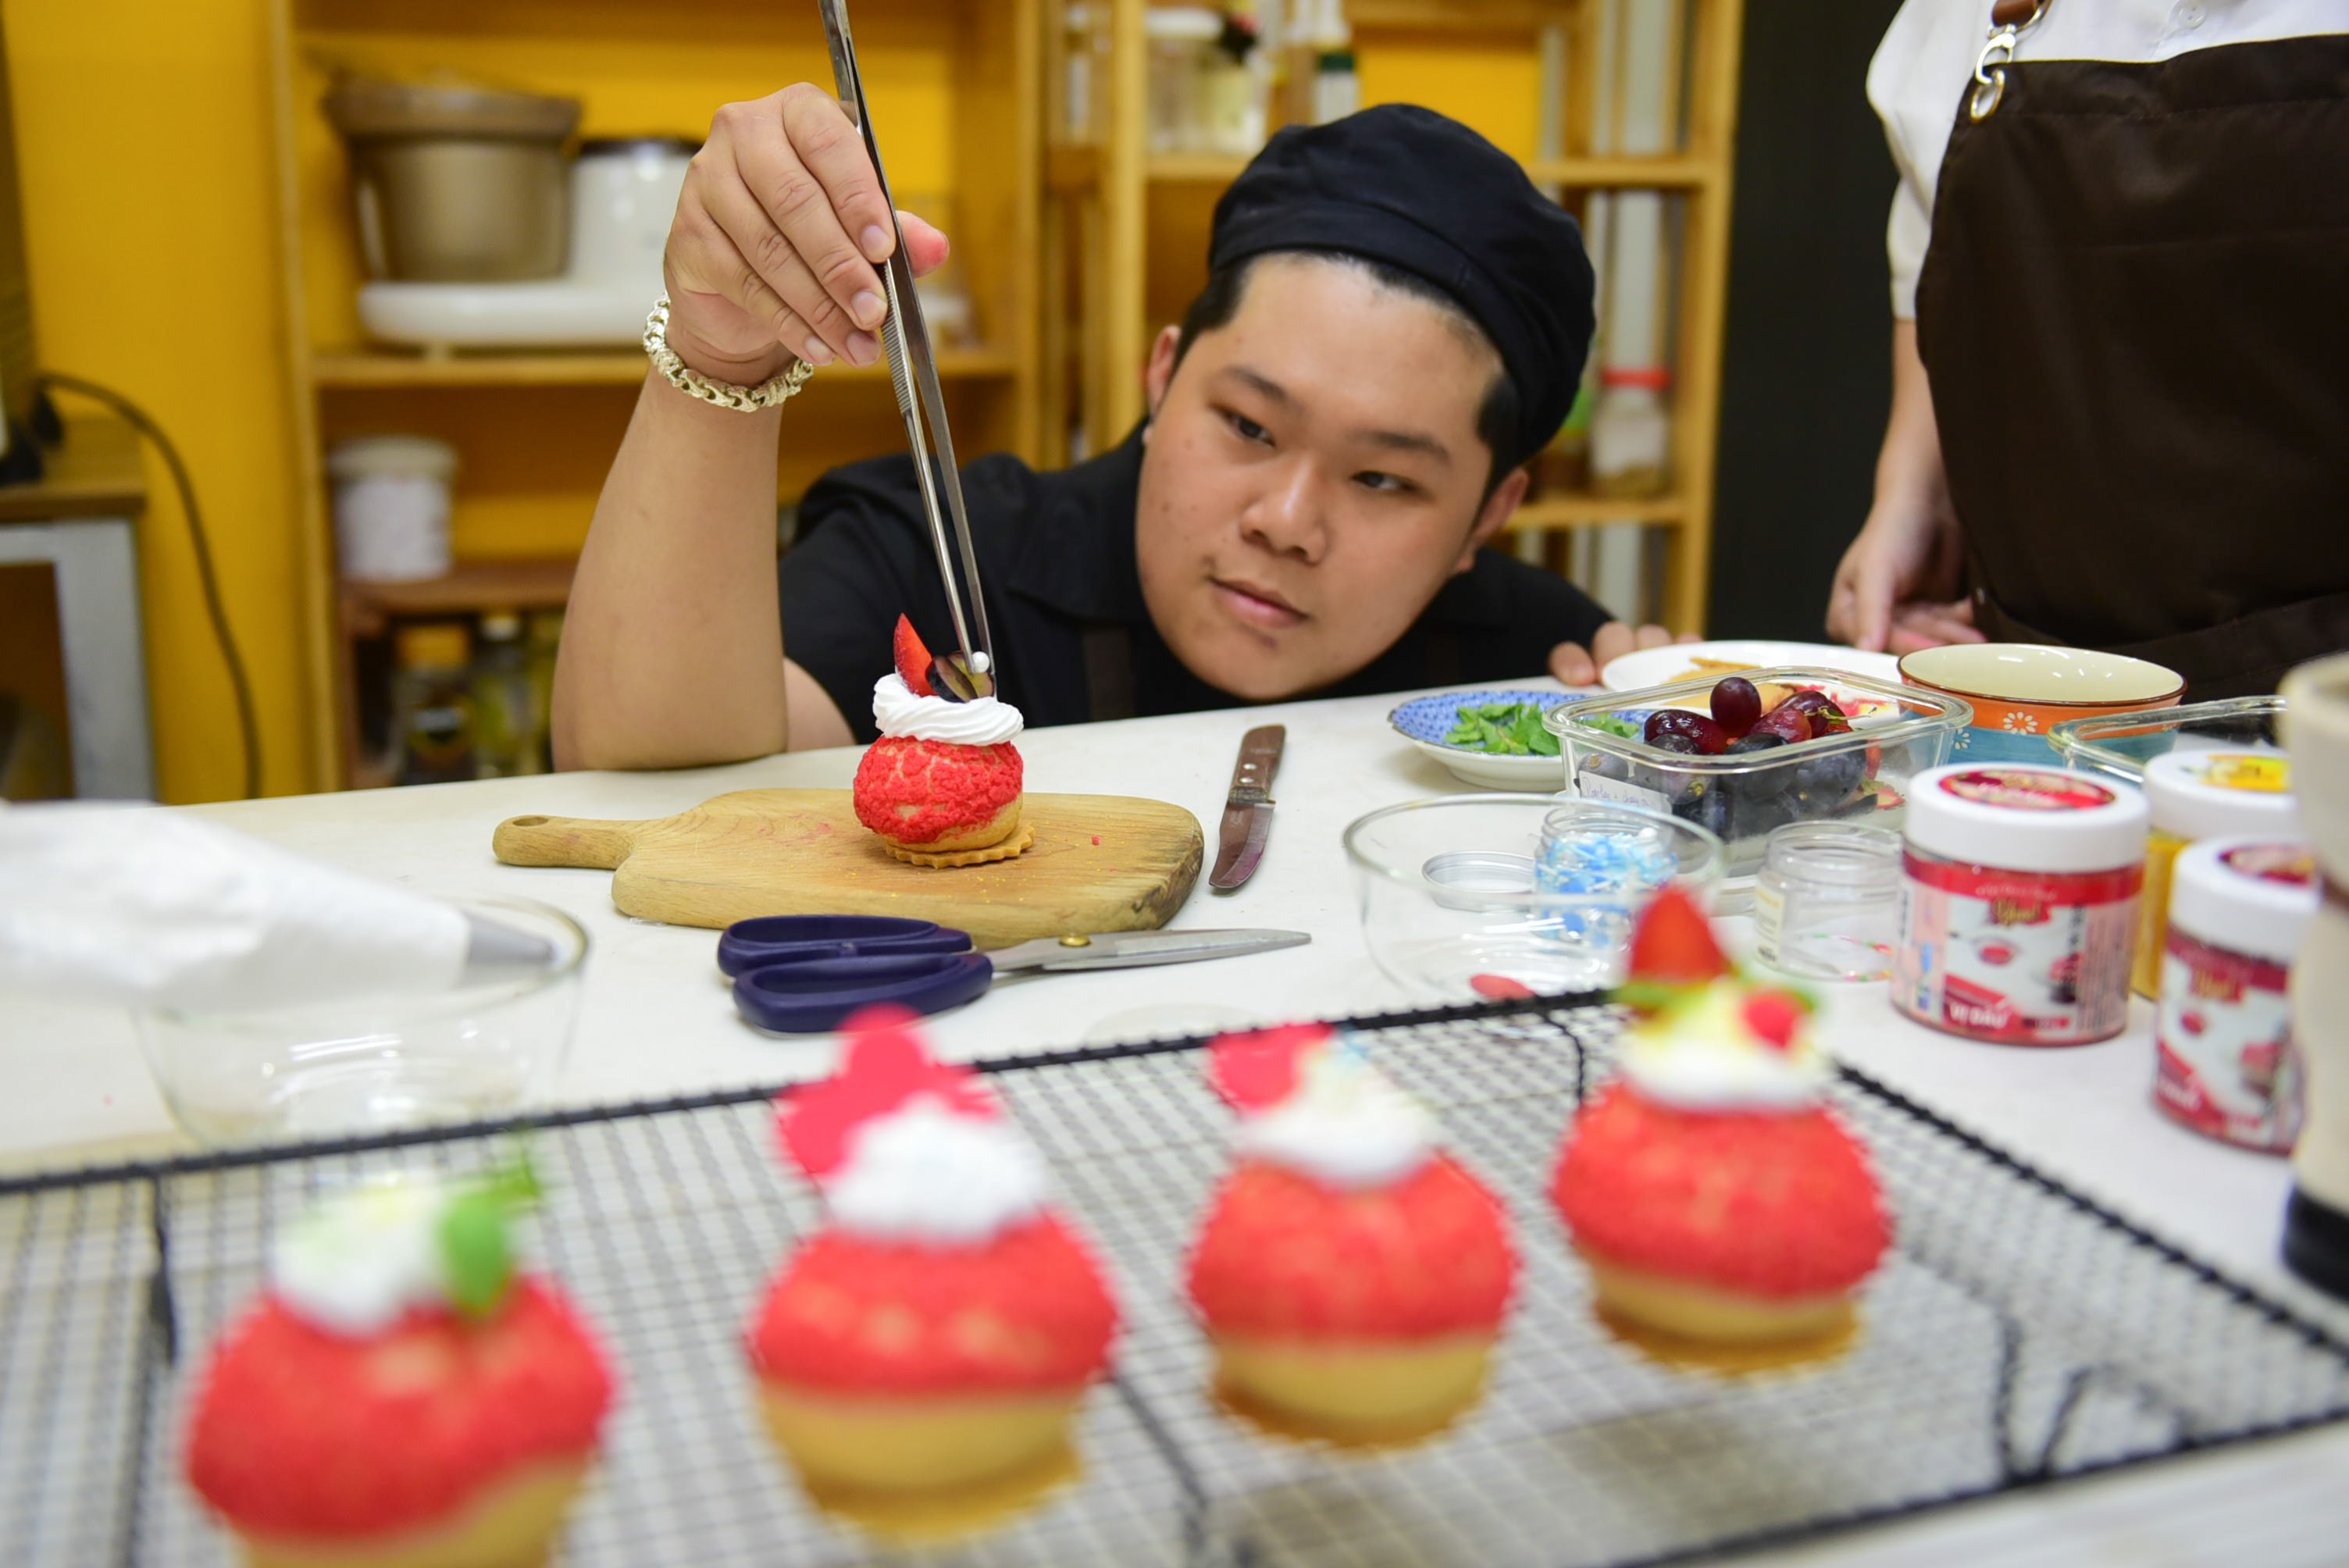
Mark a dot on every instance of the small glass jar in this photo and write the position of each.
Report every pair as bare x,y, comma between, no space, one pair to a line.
1825,900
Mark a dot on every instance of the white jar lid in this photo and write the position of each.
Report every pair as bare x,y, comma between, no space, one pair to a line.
2205,794
370,456
2025,819
1183,24
2251,894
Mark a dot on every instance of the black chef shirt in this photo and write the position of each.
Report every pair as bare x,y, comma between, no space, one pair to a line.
1064,597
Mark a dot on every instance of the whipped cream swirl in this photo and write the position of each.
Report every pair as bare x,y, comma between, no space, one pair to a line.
1704,1055
983,721
355,1264
1345,1124
924,1174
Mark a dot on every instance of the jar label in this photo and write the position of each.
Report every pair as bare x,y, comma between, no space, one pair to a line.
2031,970
1592,785
2028,790
2290,864
2264,773
2225,1062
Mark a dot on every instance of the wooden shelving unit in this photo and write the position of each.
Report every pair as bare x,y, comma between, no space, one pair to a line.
956,85
1114,209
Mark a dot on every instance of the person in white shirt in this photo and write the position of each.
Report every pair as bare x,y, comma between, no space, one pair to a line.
2120,283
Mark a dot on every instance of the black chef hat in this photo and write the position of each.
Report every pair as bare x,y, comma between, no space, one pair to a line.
1407,186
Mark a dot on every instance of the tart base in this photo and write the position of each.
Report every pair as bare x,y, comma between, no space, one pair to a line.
917,1442
1357,1395
1684,1324
512,1523
999,829
1010,849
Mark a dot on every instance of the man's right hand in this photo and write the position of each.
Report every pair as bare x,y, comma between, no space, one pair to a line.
773,249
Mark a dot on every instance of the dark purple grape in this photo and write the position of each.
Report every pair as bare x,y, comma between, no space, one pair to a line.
1673,740
1763,783
1709,737
1736,704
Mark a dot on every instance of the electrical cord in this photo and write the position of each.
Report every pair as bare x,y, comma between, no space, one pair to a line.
248,723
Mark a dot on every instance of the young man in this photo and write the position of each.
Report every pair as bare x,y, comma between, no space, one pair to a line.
1395,322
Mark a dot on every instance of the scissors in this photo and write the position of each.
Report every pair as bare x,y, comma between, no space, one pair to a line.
804,974
914,374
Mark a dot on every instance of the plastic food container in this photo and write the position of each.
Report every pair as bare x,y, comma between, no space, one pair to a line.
2121,743
1862,777
391,506
2017,903
1453,910
2226,1066
371,1064
2197,795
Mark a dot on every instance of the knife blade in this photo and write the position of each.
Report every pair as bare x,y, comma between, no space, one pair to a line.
1247,809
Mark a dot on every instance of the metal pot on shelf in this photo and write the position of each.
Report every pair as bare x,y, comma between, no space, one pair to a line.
455,183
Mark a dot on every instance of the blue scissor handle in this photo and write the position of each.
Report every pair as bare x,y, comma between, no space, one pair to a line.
778,938
810,995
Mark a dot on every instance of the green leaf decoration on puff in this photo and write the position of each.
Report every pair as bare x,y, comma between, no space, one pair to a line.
477,1258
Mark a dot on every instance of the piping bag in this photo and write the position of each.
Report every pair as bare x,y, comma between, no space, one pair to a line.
144,907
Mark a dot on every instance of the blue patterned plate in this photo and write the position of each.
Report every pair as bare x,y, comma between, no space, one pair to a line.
1424,721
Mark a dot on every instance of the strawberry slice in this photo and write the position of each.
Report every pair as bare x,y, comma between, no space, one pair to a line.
1256,1070
1674,944
912,658
1775,1015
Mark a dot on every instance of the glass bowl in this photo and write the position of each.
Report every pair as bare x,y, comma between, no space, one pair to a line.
1898,731
1451,912
2121,743
371,1064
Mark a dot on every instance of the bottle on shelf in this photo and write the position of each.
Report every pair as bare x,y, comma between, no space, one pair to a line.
432,704
1326,43
1631,433
509,719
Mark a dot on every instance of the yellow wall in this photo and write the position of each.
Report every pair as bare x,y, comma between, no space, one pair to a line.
143,142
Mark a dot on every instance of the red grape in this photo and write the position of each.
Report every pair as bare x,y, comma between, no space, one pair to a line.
1709,737
1787,722
1736,704
1806,701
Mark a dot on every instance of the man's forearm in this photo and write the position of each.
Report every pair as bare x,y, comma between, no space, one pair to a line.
672,650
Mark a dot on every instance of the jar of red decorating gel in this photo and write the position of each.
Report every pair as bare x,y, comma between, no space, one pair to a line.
2017,903
2225,1064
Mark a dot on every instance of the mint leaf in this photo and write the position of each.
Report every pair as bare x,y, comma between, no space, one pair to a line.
475,1257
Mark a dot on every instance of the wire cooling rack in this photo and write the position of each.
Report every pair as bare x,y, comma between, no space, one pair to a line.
2018,1334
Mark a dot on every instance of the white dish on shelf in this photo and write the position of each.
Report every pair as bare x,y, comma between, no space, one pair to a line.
1677,662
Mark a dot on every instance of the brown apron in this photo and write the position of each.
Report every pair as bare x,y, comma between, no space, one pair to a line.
2135,315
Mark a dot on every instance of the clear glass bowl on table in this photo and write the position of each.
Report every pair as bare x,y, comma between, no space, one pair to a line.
1459,903
373,1064
2121,743
1897,731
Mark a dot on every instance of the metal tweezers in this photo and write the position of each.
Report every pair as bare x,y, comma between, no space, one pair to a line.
913,366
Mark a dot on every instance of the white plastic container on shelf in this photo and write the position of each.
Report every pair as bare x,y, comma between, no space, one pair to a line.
391,506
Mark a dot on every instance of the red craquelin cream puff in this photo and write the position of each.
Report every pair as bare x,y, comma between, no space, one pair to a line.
1352,1277
1727,1216
942,786
919,1358
400,1396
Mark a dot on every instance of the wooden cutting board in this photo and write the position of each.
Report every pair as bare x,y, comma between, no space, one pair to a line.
1100,862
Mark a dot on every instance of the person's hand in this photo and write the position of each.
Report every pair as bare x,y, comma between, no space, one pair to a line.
1571,664
773,250
1896,590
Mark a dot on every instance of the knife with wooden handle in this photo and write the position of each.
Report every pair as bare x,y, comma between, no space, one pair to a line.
1247,809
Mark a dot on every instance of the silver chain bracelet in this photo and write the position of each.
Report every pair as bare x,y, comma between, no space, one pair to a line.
778,389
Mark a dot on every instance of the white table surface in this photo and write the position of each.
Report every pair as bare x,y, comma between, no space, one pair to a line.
657,1019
